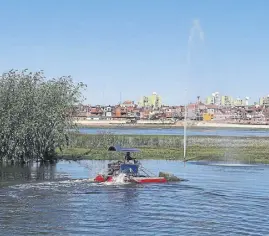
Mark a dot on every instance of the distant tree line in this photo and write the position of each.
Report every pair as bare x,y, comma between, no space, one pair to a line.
35,115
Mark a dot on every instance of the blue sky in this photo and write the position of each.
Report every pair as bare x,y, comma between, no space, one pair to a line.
141,46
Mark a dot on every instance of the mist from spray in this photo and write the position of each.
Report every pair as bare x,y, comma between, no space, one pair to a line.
196,28
118,180
230,156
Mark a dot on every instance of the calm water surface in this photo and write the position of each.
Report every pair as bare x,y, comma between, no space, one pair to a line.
58,200
179,131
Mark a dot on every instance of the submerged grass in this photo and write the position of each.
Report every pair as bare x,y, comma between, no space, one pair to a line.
244,149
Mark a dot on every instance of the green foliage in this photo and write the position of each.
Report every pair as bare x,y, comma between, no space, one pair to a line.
35,114
246,149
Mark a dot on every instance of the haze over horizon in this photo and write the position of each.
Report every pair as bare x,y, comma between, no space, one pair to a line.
139,47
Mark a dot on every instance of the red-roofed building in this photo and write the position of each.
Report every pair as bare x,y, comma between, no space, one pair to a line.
212,109
128,103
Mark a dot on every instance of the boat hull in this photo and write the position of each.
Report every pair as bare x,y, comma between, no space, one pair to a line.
139,180
144,180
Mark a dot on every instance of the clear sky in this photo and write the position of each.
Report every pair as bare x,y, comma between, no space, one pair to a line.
137,47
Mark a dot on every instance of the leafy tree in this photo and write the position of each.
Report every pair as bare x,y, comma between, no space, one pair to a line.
36,114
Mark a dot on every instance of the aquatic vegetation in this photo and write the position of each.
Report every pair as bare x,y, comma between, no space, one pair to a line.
247,149
35,115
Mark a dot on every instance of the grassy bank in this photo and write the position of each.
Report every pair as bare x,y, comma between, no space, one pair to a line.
247,149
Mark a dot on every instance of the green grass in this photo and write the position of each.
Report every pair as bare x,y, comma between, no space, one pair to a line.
163,147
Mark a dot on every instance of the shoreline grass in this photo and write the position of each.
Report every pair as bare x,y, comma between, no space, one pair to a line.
246,156
170,147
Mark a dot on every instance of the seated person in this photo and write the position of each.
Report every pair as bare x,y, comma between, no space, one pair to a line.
128,156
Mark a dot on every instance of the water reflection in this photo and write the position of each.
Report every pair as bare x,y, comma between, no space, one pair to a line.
30,172
240,132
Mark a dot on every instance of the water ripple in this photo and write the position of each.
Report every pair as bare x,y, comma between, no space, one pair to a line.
212,202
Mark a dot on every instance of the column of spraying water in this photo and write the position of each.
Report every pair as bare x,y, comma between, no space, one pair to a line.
195,27
185,127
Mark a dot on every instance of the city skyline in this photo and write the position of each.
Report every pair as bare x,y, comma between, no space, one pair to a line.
221,100
136,47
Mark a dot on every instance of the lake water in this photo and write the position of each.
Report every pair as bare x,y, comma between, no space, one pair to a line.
217,199
179,131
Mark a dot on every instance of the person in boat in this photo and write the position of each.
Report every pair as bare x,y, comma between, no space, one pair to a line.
129,158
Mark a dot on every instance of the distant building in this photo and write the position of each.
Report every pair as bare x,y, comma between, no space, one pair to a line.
128,103
238,102
214,99
241,102
264,101
211,109
153,101
227,101
108,112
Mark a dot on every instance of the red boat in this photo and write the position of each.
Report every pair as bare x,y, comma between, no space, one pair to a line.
131,171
